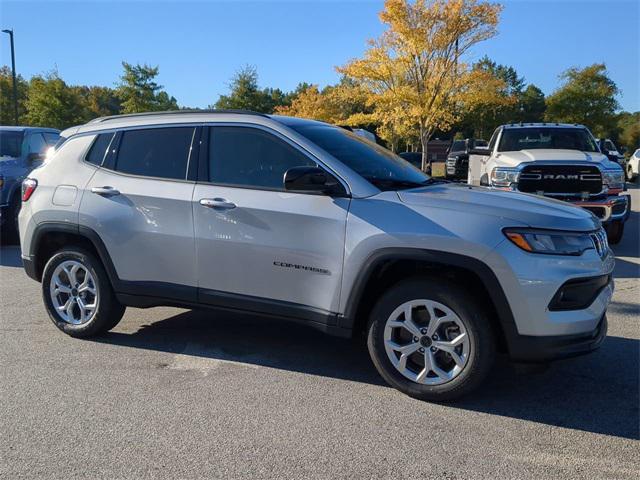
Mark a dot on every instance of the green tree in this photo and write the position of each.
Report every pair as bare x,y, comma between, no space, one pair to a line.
531,105
588,97
99,101
629,128
6,97
52,103
139,92
245,94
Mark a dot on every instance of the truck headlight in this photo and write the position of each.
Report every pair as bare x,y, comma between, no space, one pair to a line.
550,242
504,177
614,179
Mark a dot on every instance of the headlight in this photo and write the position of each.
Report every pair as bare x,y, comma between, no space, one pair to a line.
504,177
550,242
614,179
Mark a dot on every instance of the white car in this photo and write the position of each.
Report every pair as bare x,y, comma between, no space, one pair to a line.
632,166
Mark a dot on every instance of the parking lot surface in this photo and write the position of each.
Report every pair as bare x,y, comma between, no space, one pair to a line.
172,393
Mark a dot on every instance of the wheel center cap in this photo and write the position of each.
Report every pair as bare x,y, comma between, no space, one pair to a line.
74,292
425,341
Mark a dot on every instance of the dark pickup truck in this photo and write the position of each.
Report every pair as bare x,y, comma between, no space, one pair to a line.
457,166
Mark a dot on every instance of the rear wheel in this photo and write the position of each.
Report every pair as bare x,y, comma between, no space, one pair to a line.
615,230
78,295
429,339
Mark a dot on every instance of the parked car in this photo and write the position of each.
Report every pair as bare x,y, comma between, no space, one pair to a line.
612,152
21,150
556,160
457,167
306,221
632,166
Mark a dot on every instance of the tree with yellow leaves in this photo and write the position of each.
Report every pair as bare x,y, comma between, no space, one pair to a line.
413,73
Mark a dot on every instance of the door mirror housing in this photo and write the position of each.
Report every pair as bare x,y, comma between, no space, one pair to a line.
312,180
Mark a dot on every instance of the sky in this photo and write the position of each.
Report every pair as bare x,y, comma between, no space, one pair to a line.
200,45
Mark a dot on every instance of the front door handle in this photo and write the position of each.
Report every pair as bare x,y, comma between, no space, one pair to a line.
105,191
218,203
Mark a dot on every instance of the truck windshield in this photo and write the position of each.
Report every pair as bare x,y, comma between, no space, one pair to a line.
383,168
10,143
514,139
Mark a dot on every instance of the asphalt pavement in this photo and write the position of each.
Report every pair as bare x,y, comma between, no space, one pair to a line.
172,393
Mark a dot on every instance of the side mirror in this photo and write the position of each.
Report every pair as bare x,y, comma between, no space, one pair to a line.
480,151
311,179
34,157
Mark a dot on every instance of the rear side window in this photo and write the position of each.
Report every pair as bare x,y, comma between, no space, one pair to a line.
36,143
98,150
251,157
155,152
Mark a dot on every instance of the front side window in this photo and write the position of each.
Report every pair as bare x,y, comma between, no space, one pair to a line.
244,156
381,167
98,150
155,152
36,143
10,144
530,138
51,138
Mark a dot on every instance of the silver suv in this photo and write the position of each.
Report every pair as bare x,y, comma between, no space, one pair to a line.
306,221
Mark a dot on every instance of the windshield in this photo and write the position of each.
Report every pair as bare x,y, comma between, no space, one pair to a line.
514,139
10,143
458,146
384,169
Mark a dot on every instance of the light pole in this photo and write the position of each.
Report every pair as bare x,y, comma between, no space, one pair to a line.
13,72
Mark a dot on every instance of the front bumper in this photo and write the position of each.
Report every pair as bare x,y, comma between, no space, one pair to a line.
532,349
609,209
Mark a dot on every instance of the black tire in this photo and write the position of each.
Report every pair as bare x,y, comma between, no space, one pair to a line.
481,336
10,234
109,310
615,230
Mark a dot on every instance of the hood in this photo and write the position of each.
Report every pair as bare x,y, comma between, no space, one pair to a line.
520,208
513,159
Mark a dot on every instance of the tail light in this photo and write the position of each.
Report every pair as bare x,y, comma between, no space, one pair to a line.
28,187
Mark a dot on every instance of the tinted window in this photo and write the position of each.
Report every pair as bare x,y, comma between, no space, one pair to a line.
609,145
458,146
10,143
381,167
514,139
99,148
51,138
155,152
251,157
36,143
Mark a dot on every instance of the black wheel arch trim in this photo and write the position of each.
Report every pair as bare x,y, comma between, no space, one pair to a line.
481,269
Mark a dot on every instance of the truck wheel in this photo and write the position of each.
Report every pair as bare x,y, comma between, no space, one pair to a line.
615,230
78,295
10,234
430,339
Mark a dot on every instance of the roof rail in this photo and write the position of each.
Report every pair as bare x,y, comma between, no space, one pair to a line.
173,112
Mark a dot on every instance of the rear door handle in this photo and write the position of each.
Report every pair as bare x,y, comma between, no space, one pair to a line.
218,203
105,191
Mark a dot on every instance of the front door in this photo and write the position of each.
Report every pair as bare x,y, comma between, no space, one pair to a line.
259,246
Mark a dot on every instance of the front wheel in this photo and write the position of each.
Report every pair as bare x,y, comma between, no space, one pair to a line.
615,230
78,295
430,339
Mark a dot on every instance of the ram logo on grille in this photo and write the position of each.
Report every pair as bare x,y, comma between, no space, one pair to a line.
550,176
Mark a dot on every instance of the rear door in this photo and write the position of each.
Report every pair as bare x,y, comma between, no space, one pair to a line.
259,246
139,203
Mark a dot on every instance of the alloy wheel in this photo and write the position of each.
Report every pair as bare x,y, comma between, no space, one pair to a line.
427,342
73,291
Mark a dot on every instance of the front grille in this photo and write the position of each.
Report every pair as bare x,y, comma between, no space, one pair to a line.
600,242
560,179
599,212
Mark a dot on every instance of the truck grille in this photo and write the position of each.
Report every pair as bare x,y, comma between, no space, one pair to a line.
560,179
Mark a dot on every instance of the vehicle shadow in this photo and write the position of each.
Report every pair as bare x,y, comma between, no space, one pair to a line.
596,393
